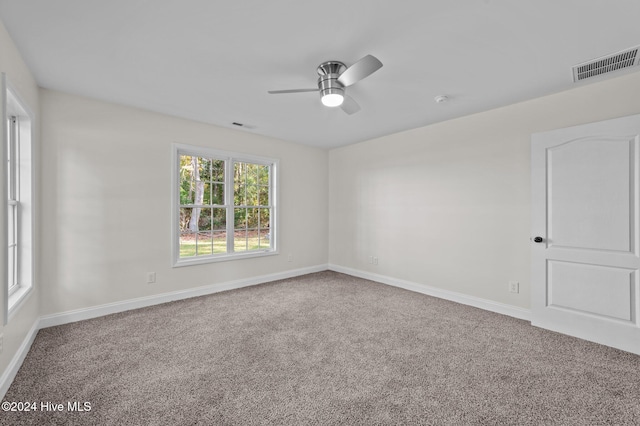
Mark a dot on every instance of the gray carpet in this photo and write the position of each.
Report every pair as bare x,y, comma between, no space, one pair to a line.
322,349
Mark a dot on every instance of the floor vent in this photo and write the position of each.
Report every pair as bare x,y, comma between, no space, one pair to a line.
606,64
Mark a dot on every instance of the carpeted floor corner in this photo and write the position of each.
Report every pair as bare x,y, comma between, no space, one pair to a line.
321,349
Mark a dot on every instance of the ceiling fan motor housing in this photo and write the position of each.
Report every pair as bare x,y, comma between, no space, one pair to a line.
328,82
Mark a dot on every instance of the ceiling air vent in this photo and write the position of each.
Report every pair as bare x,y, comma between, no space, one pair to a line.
599,66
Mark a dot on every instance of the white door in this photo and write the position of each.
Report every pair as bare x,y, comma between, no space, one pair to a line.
585,229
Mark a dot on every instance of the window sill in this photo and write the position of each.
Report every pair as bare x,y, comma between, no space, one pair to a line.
221,258
17,299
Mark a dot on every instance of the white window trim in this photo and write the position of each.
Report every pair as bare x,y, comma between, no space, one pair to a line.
182,149
14,105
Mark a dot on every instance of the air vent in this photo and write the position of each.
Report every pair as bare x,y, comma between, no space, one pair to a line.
246,126
606,64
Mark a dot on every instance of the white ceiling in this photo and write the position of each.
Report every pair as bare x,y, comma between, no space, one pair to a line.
213,61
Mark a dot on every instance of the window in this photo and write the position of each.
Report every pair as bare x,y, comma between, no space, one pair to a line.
12,203
19,200
224,205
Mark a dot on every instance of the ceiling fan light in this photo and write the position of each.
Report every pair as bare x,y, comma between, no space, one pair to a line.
332,99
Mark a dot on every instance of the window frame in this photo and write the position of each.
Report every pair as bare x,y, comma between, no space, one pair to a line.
230,158
23,199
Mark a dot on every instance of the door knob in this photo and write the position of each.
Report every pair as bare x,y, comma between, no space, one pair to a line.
538,239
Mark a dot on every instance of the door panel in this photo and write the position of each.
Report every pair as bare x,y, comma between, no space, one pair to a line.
585,200
598,290
589,205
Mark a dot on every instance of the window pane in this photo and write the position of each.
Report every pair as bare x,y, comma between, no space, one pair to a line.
252,173
201,168
263,175
187,193
11,267
253,239
195,189
206,194
252,229
11,224
217,172
205,169
204,219
217,194
240,218
219,219
9,157
252,218
185,218
264,239
186,180
252,195
12,212
219,242
239,173
187,244
198,192
204,244
239,195
265,215
263,197
240,241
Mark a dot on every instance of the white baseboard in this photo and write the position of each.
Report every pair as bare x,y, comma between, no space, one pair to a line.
143,302
12,369
488,305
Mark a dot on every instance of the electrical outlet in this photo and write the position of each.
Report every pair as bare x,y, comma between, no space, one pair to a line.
514,287
370,260
290,258
375,260
151,277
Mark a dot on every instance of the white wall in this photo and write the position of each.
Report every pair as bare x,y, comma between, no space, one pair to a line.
12,64
106,181
448,205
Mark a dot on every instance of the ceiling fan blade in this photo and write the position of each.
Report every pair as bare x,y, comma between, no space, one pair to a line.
349,105
361,69
276,92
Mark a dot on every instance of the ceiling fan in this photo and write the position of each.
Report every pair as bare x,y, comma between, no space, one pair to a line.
335,77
